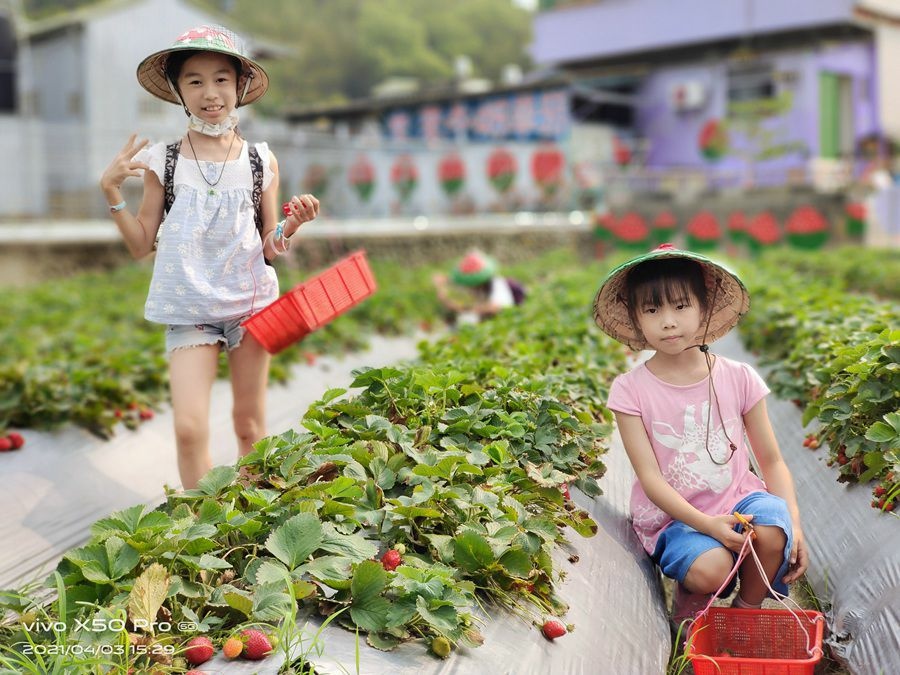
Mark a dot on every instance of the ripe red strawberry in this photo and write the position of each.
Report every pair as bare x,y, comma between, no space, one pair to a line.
256,644
232,648
286,208
5,444
553,629
391,560
566,491
195,672
879,491
200,650
310,358
16,440
146,414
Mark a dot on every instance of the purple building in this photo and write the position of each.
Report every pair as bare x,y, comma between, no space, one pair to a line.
743,91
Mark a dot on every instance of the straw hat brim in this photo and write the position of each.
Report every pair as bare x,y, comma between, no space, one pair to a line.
151,73
731,299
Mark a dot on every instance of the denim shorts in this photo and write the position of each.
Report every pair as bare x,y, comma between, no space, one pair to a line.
227,333
680,545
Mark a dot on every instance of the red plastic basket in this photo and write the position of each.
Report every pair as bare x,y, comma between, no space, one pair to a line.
729,641
313,303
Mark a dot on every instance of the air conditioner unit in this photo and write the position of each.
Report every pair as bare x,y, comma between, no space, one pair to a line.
687,96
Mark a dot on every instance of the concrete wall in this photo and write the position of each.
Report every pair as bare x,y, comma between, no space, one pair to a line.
23,188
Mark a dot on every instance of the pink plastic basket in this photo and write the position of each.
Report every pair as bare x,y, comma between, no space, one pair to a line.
313,303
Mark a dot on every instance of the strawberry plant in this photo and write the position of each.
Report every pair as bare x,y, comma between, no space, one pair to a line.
834,353
455,463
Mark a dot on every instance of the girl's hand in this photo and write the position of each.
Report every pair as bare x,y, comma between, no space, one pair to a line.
123,166
722,529
799,558
299,210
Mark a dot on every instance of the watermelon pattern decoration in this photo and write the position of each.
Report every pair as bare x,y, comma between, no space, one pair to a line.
855,221
737,227
501,170
703,232
362,177
632,232
806,229
665,225
713,140
604,226
404,176
451,174
763,232
315,179
547,166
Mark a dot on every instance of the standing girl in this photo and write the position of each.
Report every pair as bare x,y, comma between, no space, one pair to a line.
683,416
209,209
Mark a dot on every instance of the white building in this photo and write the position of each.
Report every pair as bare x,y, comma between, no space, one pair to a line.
79,100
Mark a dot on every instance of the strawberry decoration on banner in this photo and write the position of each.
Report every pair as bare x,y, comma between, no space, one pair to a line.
621,152
713,140
632,232
404,176
362,177
664,226
856,219
501,170
703,232
737,227
451,173
547,165
315,179
807,228
605,226
763,232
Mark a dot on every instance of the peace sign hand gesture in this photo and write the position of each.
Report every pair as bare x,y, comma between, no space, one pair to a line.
123,165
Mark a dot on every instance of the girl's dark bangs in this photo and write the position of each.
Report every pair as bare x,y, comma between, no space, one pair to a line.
670,289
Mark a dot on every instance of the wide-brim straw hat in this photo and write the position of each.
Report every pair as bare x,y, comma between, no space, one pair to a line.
474,269
726,296
151,72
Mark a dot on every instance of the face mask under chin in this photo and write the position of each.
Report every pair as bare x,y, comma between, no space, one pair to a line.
203,127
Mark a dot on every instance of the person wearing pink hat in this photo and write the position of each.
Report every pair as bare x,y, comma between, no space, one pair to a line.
685,416
210,212
488,291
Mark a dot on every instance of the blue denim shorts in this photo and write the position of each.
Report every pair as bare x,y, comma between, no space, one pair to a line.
226,333
680,545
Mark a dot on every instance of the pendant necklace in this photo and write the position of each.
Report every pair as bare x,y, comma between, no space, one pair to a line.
212,186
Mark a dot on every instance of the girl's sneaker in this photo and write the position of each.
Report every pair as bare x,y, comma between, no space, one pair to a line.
687,605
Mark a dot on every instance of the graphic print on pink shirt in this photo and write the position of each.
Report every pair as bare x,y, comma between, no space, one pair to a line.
675,418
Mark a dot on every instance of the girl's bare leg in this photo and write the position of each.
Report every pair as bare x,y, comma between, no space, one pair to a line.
191,375
249,377
769,545
709,571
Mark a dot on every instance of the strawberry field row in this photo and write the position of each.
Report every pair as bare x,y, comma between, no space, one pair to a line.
853,268
399,509
836,355
79,350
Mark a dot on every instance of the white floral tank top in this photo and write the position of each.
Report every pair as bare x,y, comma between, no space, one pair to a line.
209,263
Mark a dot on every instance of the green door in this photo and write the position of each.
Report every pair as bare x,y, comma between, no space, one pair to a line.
829,115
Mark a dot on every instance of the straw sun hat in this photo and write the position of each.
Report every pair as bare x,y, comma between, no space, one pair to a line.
151,72
474,269
731,298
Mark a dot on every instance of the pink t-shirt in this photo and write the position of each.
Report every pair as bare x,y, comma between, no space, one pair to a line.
675,419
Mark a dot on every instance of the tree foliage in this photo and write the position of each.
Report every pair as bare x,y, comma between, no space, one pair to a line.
336,50
342,48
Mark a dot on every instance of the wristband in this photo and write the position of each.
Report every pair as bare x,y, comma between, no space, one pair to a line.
118,207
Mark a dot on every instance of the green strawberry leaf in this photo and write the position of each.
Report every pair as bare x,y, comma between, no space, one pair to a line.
295,540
